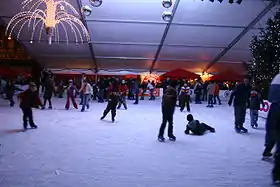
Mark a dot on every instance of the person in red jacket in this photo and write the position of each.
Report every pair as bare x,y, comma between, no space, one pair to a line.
122,91
29,99
216,94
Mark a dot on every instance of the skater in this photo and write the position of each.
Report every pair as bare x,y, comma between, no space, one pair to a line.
255,102
168,107
184,98
28,99
217,94
196,127
210,92
81,93
71,92
197,91
151,88
241,96
86,91
273,117
111,106
48,92
136,90
10,92
123,89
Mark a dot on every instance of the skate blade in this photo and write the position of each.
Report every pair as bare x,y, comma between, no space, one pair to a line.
268,159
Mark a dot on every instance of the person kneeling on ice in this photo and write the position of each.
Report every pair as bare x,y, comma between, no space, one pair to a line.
196,127
28,99
111,106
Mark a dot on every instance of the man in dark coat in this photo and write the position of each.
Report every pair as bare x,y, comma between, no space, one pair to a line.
272,136
241,97
168,107
48,92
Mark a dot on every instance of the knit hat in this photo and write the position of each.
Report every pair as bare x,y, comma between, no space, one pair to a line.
189,117
274,90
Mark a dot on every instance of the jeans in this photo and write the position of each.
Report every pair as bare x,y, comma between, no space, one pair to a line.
254,115
210,100
219,100
27,116
86,98
122,101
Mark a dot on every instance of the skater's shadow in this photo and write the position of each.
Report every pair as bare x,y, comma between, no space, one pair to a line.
13,131
108,121
260,128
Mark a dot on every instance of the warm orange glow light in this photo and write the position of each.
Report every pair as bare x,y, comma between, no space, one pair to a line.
50,18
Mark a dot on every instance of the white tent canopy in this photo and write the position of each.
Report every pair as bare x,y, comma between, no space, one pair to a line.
126,35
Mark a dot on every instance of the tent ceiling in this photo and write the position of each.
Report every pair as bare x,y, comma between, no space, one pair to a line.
126,35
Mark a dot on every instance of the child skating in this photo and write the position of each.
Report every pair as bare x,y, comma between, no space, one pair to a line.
255,102
111,106
29,99
71,91
196,127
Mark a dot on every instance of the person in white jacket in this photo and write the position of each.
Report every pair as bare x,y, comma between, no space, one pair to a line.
87,91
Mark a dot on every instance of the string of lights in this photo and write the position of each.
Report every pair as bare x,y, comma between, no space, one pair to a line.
229,1
265,50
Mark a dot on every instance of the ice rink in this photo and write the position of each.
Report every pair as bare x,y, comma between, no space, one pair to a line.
74,149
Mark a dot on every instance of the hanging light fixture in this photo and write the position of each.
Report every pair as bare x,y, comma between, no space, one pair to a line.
53,15
86,10
167,16
96,3
166,3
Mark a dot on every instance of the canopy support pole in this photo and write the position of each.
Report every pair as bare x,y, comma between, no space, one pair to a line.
174,9
241,35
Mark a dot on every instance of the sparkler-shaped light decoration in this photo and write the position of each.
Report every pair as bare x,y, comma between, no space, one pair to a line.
53,15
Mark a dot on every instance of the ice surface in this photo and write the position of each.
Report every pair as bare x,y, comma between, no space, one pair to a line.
74,149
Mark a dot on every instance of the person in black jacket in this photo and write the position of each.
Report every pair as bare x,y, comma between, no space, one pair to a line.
241,96
111,106
255,102
196,127
168,107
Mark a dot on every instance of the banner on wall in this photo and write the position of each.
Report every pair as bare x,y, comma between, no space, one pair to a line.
148,94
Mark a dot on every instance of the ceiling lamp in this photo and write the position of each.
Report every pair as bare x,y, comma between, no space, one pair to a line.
96,3
86,10
53,15
167,16
166,3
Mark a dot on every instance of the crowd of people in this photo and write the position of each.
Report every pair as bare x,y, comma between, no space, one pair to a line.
115,91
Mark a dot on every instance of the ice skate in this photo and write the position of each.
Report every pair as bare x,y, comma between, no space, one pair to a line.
161,139
50,107
267,156
275,180
113,120
243,130
213,130
34,126
237,129
102,117
172,138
